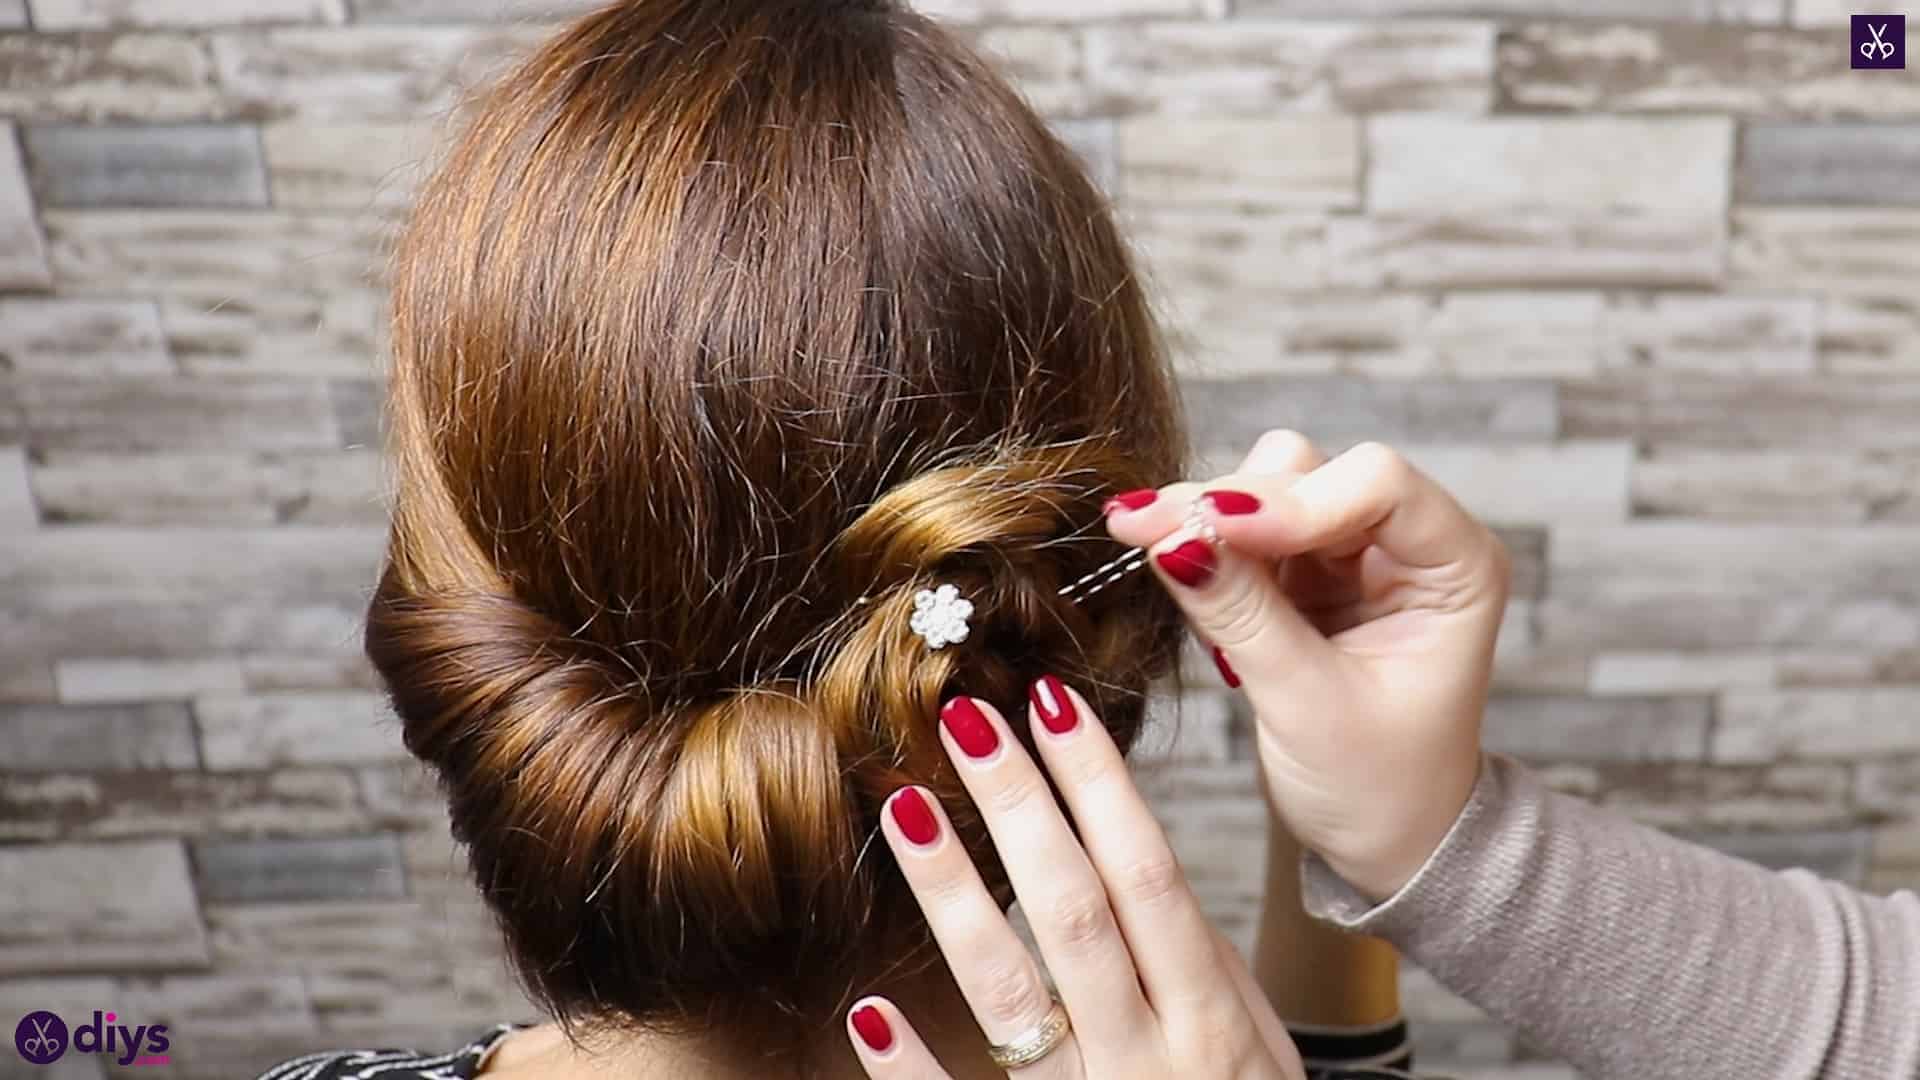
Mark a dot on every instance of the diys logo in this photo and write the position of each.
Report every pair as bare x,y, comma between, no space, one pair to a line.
43,1038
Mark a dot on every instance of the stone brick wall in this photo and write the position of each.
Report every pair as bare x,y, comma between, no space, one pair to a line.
1639,278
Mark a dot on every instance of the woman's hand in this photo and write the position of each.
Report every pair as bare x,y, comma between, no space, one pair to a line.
1151,988
1357,604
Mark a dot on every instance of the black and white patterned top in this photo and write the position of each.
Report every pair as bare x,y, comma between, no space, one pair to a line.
1378,1053
459,1064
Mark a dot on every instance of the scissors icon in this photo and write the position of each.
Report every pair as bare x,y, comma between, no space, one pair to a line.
42,1045
1877,48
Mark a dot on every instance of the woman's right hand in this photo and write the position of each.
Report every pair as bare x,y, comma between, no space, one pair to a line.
1357,604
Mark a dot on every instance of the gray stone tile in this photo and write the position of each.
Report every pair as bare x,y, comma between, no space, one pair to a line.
1776,798
296,563
1479,334
1720,334
103,77
1693,68
275,622
146,165
79,336
338,332
13,421
1839,855
387,74
1810,485
324,868
1523,661
116,14
262,1006
1064,10
320,937
1684,557
1556,728
373,11
215,256
1219,279
1744,412
1566,482
1276,162
1653,673
162,488
1339,411
1870,335
1890,785
156,803
135,413
1526,250
1826,13
118,908
1097,143
1261,66
1527,548
357,405
1864,253
1520,332
1716,617
253,731
1634,165
13,13
1198,725
1757,11
44,738
26,679
406,796
17,508
1862,164
1046,62
344,669
23,250
106,680
1816,724
346,166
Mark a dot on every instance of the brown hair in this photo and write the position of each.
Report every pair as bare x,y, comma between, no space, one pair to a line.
719,316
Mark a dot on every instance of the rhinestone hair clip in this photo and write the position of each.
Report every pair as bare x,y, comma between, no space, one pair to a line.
940,613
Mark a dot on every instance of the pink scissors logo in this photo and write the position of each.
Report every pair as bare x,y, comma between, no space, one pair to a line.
1879,41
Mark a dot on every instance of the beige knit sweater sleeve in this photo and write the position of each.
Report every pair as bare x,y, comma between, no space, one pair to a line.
1631,954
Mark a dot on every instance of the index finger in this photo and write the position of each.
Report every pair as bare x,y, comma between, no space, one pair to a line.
1369,493
1169,936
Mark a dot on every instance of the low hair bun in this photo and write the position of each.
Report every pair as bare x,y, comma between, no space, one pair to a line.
720,330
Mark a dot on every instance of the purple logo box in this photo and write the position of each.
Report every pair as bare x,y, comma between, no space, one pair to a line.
1879,41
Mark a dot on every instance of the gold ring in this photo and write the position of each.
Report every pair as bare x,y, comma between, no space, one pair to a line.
1036,1042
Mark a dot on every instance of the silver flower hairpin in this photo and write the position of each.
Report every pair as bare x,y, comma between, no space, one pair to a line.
940,616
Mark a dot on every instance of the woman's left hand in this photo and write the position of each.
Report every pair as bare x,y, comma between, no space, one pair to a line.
1150,987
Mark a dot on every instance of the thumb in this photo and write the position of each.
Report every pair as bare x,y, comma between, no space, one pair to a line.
1235,602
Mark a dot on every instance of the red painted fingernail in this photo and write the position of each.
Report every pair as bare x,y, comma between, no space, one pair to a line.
1050,700
970,727
1226,669
1131,500
1232,502
1191,564
915,818
871,1023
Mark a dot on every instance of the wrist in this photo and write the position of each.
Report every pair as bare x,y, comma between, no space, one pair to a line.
1381,868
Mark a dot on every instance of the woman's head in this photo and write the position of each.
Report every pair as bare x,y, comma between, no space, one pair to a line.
724,327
